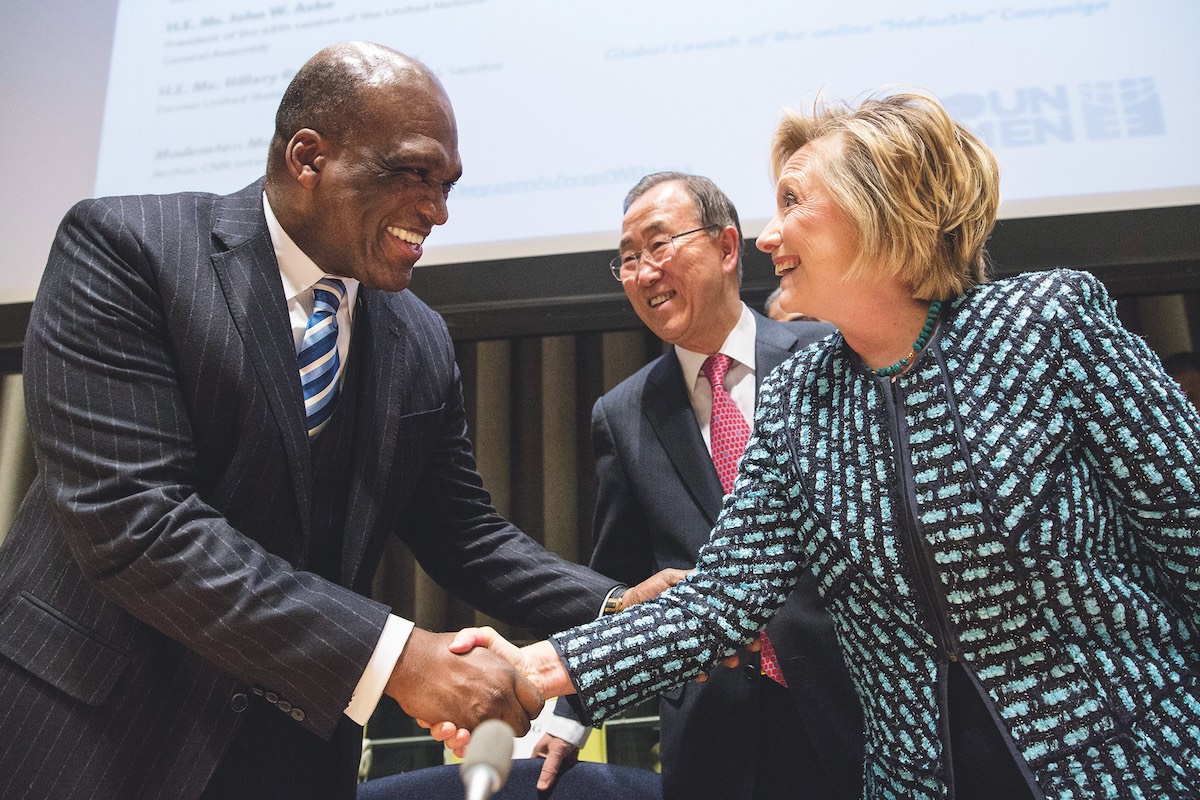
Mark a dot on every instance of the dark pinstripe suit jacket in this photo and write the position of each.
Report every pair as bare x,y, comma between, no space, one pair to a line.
658,498
155,571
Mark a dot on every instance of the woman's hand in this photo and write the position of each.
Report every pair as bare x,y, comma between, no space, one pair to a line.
539,662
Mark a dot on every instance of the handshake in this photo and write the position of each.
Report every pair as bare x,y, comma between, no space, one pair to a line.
539,674
452,682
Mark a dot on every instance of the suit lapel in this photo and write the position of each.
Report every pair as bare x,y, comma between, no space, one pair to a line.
669,410
773,343
381,355
667,407
249,278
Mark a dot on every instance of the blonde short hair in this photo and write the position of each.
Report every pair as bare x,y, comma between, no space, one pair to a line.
921,190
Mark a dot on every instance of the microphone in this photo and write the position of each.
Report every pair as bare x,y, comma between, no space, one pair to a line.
488,759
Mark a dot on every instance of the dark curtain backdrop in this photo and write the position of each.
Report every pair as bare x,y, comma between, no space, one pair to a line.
529,403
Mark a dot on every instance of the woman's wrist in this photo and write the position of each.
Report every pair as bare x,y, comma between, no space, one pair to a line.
546,670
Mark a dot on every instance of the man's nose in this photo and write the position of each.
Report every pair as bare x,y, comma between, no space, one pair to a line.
648,273
434,207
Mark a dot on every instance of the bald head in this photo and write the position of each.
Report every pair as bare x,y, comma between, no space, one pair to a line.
329,92
364,156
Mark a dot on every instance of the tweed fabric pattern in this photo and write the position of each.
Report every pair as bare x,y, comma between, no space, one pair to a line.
728,433
1041,464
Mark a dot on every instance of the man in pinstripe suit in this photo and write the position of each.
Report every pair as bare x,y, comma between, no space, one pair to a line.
183,607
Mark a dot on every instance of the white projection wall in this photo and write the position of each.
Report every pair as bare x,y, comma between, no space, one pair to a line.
562,106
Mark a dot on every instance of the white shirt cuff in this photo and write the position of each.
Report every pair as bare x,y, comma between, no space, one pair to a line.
567,729
374,679
620,587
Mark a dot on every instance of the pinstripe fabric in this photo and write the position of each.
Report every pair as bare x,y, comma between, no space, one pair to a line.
158,568
1051,467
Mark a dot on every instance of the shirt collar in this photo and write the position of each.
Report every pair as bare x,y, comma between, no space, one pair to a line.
298,271
738,345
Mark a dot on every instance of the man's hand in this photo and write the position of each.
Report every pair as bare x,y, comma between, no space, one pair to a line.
538,663
431,682
559,755
733,660
653,586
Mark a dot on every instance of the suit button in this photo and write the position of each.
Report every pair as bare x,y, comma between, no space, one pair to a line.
750,671
298,715
239,702
284,706
272,698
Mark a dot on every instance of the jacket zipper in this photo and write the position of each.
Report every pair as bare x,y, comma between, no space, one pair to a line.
922,559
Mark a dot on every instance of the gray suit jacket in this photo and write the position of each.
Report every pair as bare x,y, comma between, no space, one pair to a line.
156,573
657,501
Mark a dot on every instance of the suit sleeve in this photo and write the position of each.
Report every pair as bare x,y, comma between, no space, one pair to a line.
1140,430
623,548
744,574
470,550
115,450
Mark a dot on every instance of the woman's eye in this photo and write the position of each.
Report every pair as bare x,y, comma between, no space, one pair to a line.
789,199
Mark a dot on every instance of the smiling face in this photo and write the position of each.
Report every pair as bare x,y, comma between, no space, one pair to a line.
810,240
692,298
372,191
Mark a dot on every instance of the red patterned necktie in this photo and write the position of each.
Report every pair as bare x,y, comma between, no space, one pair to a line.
728,434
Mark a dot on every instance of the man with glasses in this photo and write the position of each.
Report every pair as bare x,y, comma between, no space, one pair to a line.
657,435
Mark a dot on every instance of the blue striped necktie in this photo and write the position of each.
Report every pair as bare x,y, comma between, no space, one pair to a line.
320,365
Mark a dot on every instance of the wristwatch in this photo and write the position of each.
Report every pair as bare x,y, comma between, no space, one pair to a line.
614,602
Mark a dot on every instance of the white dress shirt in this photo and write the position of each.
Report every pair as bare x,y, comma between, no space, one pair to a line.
739,381
298,274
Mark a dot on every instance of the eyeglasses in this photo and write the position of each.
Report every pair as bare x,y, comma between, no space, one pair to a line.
655,254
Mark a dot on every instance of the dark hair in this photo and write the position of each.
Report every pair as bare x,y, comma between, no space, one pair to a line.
327,93
714,205
771,298
320,96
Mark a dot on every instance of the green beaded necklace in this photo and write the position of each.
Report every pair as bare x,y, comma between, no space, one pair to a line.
922,339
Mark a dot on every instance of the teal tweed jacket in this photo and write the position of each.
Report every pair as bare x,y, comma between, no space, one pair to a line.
1023,501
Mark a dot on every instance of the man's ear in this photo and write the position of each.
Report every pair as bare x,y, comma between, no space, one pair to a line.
730,247
304,156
